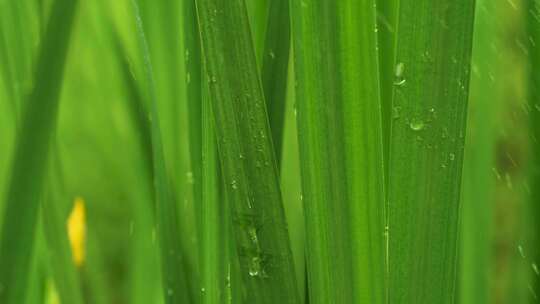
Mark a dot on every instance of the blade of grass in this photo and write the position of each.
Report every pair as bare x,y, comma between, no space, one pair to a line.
194,97
476,230
275,67
246,153
258,13
28,166
35,290
387,26
143,253
533,209
215,264
173,275
340,137
426,148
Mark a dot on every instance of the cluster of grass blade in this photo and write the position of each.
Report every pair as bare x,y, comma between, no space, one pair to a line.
380,105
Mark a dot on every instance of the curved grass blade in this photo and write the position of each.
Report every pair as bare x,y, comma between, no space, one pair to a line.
174,282
275,66
426,148
246,153
31,150
340,137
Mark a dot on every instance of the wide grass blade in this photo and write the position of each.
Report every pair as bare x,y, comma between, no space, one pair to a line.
476,261
167,215
246,153
426,148
30,156
340,137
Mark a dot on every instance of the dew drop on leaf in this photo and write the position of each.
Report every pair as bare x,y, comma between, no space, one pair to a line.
521,252
416,125
255,266
399,78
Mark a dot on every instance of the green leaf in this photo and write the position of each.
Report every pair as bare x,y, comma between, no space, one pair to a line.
532,207
275,67
30,156
167,217
194,98
340,137
426,148
215,263
387,11
476,261
246,153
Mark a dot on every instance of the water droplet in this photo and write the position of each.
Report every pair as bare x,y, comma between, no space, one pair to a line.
535,269
252,232
188,77
452,156
203,290
399,79
432,114
212,79
255,266
521,251
416,125
234,185
272,55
